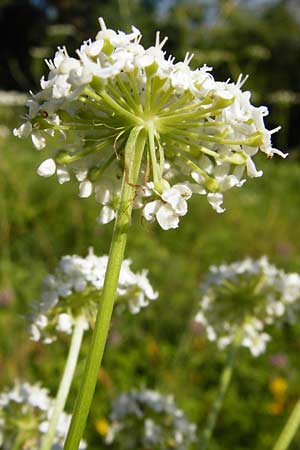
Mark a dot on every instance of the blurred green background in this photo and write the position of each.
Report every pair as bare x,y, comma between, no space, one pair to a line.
40,221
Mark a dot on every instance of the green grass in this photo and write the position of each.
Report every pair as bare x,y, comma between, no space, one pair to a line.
40,221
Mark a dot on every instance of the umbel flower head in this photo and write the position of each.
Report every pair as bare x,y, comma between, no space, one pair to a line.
149,420
25,412
74,290
246,295
201,134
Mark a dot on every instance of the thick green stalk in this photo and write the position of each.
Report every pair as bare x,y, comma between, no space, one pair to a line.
65,383
290,429
133,155
18,444
225,379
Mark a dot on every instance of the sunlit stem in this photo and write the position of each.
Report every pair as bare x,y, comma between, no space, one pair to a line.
65,383
290,429
196,147
135,91
201,113
119,95
96,172
155,166
113,104
135,106
19,441
193,166
163,99
148,96
133,154
176,107
225,380
65,158
253,140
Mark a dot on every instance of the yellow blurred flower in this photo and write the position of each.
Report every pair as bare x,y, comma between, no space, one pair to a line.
278,386
102,426
153,348
275,408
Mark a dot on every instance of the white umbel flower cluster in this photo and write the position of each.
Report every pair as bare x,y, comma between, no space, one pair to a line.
148,419
74,291
25,412
200,133
246,295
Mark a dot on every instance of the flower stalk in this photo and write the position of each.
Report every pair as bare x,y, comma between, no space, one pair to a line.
66,382
290,429
133,154
225,380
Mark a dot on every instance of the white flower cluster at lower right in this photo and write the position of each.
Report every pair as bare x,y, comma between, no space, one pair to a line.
147,419
248,296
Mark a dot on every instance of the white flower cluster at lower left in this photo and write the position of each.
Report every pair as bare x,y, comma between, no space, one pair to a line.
25,412
74,291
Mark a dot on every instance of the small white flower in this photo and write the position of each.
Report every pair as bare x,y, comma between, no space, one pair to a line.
106,215
23,131
47,168
216,200
85,189
64,323
63,175
38,140
170,208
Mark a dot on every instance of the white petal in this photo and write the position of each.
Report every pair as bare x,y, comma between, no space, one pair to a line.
47,168
181,208
106,215
64,323
39,141
23,131
171,196
175,195
81,174
62,175
251,169
197,189
85,189
151,209
167,218
102,194
228,182
206,164
197,177
216,200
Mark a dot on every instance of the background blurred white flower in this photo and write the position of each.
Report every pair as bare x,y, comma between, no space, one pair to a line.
74,291
148,419
248,295
25,411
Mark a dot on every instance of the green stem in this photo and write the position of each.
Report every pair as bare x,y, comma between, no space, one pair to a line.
225,379
113,104
18,442
65,383
290,429
133,155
